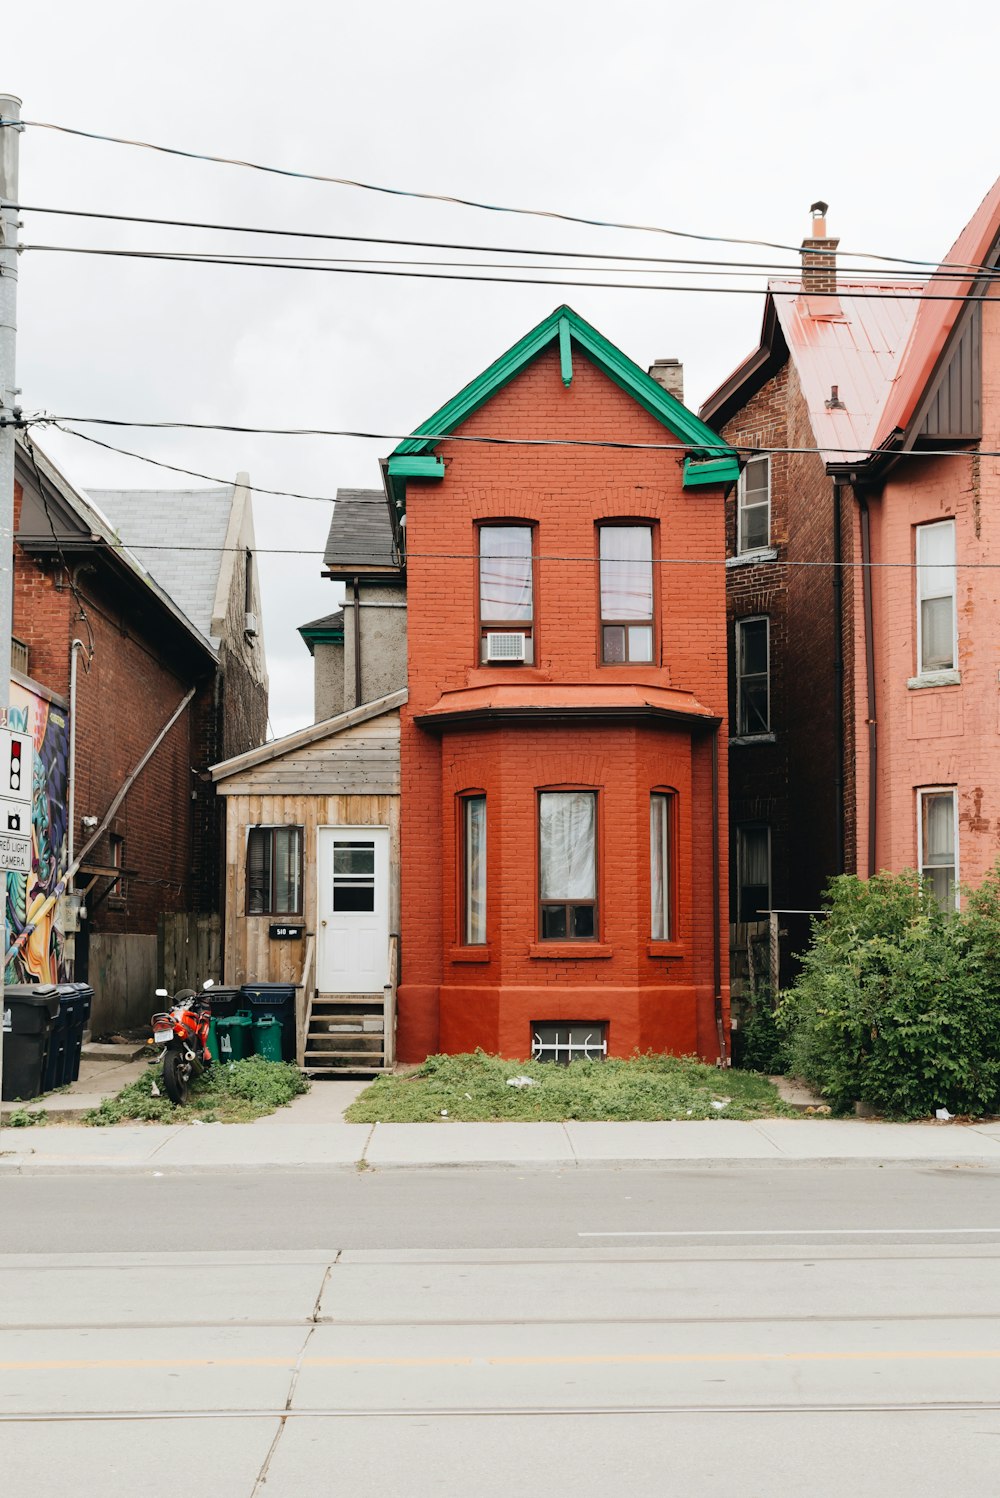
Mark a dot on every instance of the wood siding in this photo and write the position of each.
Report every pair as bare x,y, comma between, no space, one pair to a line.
953,407
357,761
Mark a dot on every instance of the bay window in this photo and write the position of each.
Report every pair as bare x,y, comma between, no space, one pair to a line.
567,865
626,565
661,828
473,814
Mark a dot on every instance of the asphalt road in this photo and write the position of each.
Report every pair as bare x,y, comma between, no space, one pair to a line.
710,1333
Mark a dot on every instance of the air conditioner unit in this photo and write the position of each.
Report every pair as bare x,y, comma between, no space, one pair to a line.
250,626
505,645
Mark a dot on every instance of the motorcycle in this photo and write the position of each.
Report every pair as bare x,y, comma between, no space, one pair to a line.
182,1030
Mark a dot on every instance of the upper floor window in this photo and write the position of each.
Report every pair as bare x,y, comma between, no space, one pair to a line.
274,871
937,843
506,593
473,811
753,707
626,553
753,506
753,872
936,620
567,865
661,831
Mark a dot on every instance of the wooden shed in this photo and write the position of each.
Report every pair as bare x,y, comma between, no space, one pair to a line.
312,880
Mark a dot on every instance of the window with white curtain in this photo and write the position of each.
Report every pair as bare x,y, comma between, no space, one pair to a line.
936,618
567,865
937,839
473,812
753,506
626,553
753,871
661,815
506,589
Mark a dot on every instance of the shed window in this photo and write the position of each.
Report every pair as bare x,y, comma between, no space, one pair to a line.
274,871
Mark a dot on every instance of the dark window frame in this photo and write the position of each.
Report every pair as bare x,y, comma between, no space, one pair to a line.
270,904
742,730
569,906
629,522
743,914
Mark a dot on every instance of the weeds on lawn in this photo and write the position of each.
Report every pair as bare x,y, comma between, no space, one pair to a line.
472,1088
233,1092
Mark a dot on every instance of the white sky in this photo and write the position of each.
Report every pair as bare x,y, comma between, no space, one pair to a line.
729,118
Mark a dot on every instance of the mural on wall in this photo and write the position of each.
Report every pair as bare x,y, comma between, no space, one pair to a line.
39,960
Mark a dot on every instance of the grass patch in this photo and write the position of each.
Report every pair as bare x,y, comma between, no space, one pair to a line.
21,1118
473,1088
237,1092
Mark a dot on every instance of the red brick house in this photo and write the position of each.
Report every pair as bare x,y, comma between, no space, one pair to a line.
861,611
563,792
139,656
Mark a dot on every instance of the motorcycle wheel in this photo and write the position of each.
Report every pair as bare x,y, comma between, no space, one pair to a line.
176,1077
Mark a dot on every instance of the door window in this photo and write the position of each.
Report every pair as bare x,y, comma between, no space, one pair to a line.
354,876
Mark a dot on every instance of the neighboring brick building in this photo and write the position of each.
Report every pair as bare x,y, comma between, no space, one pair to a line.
854,743
139,655
567,685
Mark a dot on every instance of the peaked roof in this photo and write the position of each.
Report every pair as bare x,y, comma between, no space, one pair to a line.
157,524
302,737
853,342
564,327
360,531
936,321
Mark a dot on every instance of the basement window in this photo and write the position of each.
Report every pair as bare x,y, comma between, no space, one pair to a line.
562,1043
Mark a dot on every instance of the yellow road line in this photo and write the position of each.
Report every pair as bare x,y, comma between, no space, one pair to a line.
570,1360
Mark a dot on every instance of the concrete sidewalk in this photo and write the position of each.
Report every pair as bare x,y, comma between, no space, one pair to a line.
270,1145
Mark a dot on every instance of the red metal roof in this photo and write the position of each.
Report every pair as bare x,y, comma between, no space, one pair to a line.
935,320
851,342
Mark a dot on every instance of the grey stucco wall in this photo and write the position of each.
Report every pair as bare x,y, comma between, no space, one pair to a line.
383,642
328,667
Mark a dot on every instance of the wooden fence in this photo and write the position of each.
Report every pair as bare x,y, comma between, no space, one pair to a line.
122,973
189,950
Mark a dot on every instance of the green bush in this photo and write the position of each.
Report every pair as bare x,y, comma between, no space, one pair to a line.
898,1002
761,1046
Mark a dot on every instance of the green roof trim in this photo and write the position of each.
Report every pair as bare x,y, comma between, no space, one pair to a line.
416,467
565,351
710,471
321,634
566,326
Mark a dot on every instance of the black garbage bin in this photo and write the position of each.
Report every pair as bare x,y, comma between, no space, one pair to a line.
29,1011
223,1001
60,1040
278,1001
80,997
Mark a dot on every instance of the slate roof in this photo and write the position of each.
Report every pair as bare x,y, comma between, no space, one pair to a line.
156,523
360,531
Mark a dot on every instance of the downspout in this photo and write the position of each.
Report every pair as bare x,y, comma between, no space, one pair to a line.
75,645
357,644
866,577
838,681
716,905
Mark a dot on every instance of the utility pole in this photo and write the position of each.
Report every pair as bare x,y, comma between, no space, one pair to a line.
10,136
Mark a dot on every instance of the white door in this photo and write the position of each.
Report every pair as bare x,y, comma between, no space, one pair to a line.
352,948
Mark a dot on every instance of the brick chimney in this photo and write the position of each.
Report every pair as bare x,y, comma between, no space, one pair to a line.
819,255
670,374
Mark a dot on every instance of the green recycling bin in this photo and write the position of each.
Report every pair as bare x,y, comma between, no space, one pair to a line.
267,1038
235,1033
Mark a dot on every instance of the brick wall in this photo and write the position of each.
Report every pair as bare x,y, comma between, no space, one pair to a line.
662,1000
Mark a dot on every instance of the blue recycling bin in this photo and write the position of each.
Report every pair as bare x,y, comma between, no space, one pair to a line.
278,1001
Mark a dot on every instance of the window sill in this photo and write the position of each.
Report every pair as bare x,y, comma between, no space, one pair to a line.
747,558
564,949
666,949
470,954
934,679
753,738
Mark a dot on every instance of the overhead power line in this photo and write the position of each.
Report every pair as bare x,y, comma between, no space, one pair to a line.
448,198
777,268
184,257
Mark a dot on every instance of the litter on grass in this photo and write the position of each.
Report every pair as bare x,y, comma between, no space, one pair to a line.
522,1082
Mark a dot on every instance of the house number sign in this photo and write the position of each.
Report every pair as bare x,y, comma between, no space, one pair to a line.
285,932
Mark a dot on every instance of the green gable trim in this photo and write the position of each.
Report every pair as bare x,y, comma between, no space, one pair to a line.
565,351
710,471
416,467
565,326
325,634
